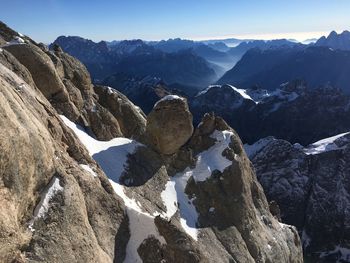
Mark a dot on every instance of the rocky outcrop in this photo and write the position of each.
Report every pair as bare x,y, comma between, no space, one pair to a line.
71,190
311,187
52,209
132,120
169,124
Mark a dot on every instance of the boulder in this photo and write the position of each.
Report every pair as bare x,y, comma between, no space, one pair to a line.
169,124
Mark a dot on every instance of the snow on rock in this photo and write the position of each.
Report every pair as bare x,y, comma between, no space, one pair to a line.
169,198
169,97
210,160
324,145
112,156
15,41
88,169
43,207
244,93
207,162
252,150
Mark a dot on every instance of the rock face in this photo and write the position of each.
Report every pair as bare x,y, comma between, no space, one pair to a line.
311,187
72,190
169,124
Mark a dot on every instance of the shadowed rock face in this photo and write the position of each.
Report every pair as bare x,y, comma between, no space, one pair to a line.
312,192
57,205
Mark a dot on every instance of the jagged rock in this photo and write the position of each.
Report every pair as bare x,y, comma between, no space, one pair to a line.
311,187
169,125
44,75
131,119
80,217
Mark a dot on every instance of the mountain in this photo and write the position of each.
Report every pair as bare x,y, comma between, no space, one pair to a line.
182,67
86,176
272,67
137,58
294,112
336,41
209,52
311,187
238,51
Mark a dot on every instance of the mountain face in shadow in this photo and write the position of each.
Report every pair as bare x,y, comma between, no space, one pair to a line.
272,67
137,58
336,41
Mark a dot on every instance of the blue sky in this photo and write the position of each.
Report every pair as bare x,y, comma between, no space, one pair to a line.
44,20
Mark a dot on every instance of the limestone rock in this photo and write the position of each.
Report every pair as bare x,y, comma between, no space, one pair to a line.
169,124
131,119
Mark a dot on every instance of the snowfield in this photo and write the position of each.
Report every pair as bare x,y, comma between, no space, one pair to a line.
112,155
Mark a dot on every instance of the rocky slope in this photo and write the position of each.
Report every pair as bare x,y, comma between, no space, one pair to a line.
294,112
311,186
74,188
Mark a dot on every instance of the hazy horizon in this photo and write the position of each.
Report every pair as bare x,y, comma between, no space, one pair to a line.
155,20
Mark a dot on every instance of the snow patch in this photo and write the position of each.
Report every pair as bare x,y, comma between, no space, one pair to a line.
15,41
169,97
252,150
324,145
169,198
43,207
88,169
112,156
207,162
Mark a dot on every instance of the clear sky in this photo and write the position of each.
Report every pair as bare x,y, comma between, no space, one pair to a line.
44,20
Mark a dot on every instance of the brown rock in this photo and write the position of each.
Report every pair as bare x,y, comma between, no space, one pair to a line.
169,125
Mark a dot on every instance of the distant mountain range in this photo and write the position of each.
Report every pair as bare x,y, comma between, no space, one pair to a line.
336,41
175,60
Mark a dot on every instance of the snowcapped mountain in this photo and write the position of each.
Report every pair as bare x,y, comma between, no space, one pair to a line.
312,188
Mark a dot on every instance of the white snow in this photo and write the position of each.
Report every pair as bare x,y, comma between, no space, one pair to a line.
252,150
15,41
169,198
88,169
110,90
41,209
112,155
241,92
324,145
212,159
343,252
169,97
1,50
207,162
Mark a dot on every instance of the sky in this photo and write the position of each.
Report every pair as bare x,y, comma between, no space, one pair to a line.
45,20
